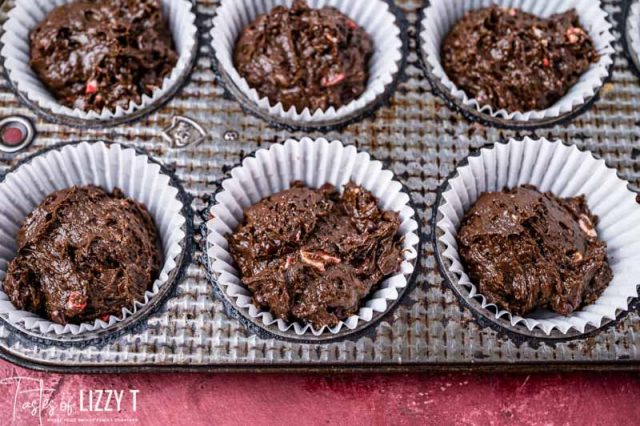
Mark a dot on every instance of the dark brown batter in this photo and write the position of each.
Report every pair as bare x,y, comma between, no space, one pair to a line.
526,250
83,254
513,60
307,58
93,54
312,255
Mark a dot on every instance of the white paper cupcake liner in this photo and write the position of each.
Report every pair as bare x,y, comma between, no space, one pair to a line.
314,163
375,16
441,15
106,166
27,14
633,31
566,172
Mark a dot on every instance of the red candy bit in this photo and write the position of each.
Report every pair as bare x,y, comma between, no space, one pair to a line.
92,87
546,62
105,317
289,262
76,302
332,80
352,25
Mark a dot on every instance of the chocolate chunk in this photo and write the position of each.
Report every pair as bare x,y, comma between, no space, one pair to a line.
527,250
312,255
303,57
513,60
97,54
83,254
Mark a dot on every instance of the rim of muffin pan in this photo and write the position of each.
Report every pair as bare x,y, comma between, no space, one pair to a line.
384,99
255,326
485,317
475,116
632,56
137,320
183,79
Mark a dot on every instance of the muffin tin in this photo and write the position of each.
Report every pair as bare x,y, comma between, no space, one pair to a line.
200,135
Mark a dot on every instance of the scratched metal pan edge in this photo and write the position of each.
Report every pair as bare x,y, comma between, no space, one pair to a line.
366,328
178,85
473,115
138,319
368,111
519,334
622,365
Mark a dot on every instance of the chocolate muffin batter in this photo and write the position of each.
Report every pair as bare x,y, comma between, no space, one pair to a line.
526,250
83,254
513,60
312,255
303,57
93,54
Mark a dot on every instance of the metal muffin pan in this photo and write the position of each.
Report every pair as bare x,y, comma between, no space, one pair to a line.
421,140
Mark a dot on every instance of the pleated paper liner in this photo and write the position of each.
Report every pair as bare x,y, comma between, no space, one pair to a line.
27,14
381,19
314,162
438,17
566,172
631,34
108,166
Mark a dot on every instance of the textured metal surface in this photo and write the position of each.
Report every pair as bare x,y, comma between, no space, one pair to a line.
421,140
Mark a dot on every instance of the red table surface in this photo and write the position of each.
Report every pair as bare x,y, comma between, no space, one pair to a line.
301,399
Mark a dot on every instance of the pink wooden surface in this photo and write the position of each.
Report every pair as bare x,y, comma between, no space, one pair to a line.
403,399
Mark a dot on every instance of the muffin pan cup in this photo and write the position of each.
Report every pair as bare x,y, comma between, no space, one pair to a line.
382,20
108,166
429,328
566,172
437,18
14,54
314,163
